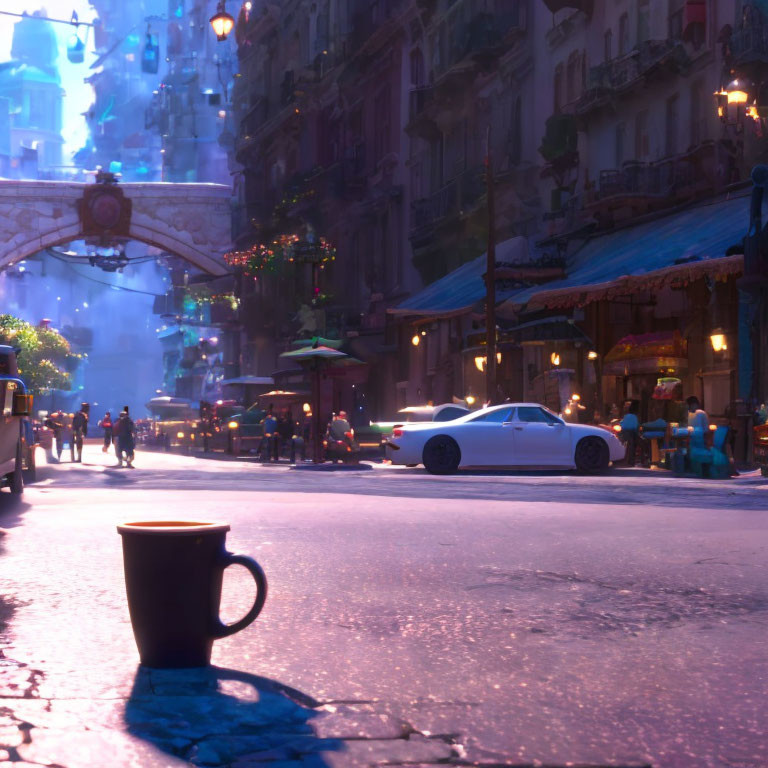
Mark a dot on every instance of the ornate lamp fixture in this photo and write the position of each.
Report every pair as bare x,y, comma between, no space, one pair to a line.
222,22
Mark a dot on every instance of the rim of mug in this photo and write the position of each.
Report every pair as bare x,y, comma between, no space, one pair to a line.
176,527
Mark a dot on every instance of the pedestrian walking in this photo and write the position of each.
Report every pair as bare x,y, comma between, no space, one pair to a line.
269,436
66,433
79,432
106,425
55,423
125,439
285,433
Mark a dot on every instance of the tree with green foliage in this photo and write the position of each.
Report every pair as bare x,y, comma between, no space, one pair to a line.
44,354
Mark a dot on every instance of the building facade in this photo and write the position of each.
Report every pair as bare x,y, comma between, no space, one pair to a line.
370,126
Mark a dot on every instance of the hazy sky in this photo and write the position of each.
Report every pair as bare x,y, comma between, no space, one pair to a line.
78,95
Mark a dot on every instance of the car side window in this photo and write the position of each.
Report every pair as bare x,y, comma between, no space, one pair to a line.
534,415
495,417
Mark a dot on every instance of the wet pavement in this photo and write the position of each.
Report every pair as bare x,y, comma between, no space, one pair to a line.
487,618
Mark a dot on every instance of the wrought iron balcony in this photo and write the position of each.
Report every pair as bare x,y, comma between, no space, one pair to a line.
622,74
749,44
710,165
458,196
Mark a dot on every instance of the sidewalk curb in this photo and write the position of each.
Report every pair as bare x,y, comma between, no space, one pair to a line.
361,467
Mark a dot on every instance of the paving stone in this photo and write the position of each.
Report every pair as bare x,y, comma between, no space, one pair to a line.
357,722
224,749
248,762
11,735
85,749
267,755
383,751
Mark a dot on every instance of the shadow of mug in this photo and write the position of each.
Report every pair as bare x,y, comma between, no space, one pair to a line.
173,577
213,716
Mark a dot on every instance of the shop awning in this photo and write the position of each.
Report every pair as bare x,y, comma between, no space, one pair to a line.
558,328
462,289
673,250
250,380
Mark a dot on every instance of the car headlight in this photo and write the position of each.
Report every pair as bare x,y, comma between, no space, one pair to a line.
233,425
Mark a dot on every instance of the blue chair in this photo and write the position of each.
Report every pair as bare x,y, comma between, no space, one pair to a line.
721,463
709,462
653,432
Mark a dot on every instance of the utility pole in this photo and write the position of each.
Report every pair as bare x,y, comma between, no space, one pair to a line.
490,279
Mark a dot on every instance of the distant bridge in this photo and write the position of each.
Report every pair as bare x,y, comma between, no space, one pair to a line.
192,221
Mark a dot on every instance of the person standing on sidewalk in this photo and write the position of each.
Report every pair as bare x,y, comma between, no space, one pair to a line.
126,439
79,432
55,423
106,425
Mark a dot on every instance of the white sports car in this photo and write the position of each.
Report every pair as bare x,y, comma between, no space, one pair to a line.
509,435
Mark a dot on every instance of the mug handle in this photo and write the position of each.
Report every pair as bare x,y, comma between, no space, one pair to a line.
220,628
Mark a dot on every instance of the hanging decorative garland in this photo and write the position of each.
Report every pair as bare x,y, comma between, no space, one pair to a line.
284,248
200,300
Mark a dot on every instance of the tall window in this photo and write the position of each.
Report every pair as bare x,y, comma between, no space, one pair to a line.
643,21
698,115
417,68
675,21
607,45
673,124
642,138
381,127
623,34
572,78
558,88
516,134
621,136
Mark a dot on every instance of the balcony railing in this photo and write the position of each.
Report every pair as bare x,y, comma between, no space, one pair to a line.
624,72
703,169
750,43
486,34
458,195
419,99
254,118
369,20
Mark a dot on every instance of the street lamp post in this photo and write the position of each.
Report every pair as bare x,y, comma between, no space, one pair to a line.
490,280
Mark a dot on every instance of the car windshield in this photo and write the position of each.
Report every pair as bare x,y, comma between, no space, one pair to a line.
227,411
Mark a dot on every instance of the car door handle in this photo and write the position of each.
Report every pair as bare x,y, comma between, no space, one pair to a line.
518,429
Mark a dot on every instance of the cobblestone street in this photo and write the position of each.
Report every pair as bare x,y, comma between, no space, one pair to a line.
493,619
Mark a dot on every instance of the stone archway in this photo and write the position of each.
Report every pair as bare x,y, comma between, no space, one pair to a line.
192,221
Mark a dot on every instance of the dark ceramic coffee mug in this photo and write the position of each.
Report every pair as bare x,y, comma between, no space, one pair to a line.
173,576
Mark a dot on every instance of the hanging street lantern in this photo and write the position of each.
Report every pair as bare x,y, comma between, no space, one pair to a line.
736,101
222,22
75,49
150,57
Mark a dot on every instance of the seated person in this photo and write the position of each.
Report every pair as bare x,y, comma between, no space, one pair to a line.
630,422
697,416
339,427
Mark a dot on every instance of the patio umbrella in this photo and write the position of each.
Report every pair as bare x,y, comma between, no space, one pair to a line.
314,358
333,343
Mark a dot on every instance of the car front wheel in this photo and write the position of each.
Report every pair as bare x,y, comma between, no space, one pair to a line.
441,455
592,455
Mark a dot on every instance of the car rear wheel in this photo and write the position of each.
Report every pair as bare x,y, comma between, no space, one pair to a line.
441,455
592,455
16,478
